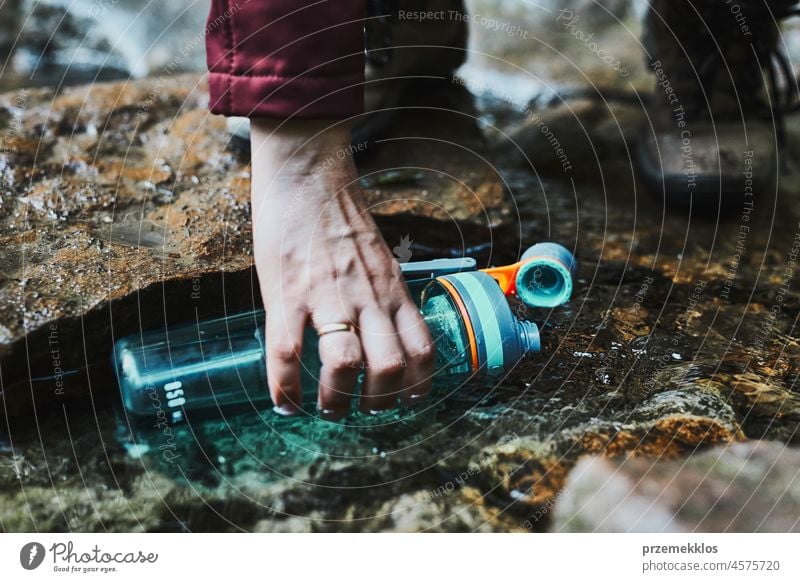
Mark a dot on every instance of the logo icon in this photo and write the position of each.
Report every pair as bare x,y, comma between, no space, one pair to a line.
403,250
31,555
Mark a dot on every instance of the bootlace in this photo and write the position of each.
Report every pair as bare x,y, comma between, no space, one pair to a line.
724,24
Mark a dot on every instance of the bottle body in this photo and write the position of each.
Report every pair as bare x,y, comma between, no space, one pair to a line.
220,364
217,363
213,366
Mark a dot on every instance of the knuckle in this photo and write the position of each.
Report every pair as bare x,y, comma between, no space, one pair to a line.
342,362
395,272
340,352
424,354
284,351
389,366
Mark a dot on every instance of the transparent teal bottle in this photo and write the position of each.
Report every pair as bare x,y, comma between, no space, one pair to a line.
210,368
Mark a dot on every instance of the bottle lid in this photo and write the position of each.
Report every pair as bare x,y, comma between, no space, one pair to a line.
545,277
497,340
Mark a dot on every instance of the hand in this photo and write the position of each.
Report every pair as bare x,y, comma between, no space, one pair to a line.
321,259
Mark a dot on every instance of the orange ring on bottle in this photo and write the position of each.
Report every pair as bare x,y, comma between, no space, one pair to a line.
473,344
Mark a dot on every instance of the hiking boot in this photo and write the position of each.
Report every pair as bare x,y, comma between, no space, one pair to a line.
722,89
412,46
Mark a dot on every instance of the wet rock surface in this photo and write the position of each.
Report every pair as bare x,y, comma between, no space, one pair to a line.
750,487
681,334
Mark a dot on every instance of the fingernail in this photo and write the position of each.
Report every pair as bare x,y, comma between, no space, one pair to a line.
413,400
285,409
376,412
330,414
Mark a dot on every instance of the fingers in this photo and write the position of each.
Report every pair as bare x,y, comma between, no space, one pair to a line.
396,350
341,357
420,353
385,360
284,345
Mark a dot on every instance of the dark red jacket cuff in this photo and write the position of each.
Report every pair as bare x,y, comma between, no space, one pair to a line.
286,58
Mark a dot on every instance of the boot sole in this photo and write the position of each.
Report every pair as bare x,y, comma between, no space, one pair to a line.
711,195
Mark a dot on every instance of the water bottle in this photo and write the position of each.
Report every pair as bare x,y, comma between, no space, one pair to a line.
209,368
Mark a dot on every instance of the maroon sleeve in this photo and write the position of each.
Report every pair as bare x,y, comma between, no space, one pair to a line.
286,58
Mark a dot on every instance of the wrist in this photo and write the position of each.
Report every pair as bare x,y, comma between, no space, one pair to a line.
298,138
307,159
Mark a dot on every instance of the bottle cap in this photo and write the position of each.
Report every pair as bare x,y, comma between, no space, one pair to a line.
497,339
544,278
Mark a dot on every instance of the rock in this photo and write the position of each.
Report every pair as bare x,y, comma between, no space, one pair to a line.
562,138
527,470
744,487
